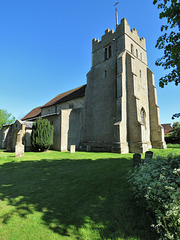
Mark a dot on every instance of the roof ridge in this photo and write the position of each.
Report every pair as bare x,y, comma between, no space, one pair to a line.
59,98
35,112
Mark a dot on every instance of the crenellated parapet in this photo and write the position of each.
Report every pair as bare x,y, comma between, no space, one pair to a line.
132,33
122,29
105,39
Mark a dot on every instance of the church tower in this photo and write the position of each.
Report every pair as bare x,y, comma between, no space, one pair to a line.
120,110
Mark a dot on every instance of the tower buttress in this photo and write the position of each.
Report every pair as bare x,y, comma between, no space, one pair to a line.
117,110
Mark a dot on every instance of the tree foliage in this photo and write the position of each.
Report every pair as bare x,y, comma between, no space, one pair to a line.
174,136
169,41
6,118
42,134
176,124
176,115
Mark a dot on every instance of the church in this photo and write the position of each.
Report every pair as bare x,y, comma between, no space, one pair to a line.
116,111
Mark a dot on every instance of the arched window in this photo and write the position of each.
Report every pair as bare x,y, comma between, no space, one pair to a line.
132,49
143,116
105,54
141,56
140,73
136,53
109,51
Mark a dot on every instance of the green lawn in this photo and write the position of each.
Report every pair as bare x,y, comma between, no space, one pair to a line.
170,145
55,195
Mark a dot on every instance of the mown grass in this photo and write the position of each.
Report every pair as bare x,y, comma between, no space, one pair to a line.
55,195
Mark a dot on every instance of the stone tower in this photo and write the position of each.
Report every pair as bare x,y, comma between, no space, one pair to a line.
120,110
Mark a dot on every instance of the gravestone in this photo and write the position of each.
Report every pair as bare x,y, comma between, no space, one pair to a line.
148,155
88,148
136,159
72,148
19,150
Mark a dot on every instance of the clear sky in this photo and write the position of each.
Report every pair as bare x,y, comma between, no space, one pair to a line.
45,48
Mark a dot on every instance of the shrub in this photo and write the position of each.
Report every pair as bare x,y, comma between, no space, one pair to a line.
156,185
169,145
168,139
174,136
42,134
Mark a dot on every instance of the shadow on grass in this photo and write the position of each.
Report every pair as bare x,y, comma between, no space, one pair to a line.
75,193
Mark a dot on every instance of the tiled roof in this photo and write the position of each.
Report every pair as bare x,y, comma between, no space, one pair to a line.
36,112
60,98
67,96
167,128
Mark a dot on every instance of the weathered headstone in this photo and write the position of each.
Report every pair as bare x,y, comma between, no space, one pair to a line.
148,155
136,159
88,148
72,148
19,150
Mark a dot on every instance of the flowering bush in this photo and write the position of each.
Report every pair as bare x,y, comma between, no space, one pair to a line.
156,183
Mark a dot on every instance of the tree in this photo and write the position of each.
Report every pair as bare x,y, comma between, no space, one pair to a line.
169,41
174,136
42,134
176,124
6,118
176,115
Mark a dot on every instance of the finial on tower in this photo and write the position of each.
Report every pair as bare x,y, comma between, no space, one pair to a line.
116,3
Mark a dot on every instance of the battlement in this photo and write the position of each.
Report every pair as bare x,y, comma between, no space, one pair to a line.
122,29
132,33
108,36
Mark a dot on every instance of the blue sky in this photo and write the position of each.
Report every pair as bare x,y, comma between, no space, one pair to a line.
45,48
